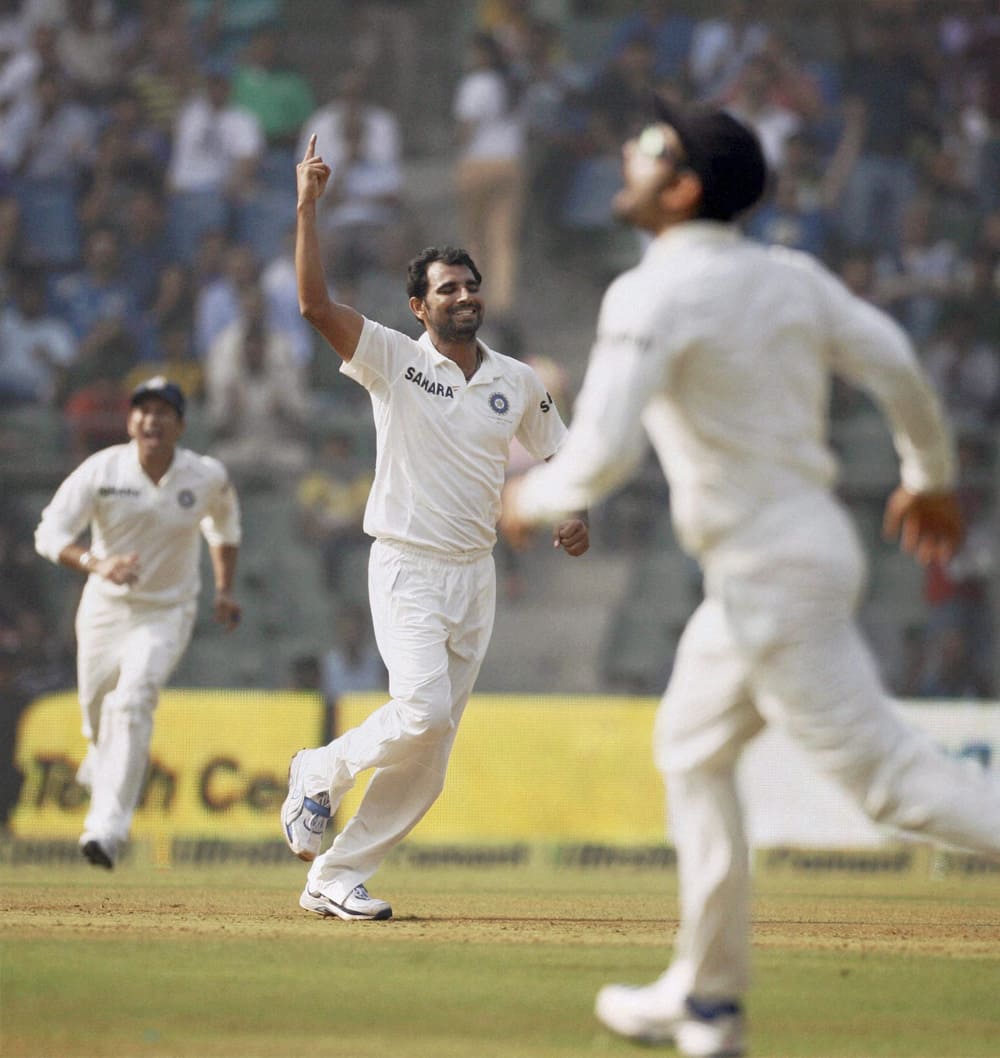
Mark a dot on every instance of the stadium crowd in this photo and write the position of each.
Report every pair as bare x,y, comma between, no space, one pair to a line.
147,156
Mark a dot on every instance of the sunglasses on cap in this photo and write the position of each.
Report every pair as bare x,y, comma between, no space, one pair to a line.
653,142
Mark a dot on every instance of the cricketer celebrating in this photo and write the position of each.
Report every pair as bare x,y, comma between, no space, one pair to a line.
147,504
446,410
722,351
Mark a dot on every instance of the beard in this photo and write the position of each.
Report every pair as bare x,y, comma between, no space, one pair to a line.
458,330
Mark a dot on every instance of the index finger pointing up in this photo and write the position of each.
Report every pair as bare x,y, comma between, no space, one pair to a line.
311,149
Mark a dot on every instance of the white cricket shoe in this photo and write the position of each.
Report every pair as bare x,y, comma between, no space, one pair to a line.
699,1029
304,818
358,904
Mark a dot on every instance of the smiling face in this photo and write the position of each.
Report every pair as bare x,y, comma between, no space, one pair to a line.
156,427
451,310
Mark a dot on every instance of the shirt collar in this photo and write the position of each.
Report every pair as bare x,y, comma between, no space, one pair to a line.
693,233
488,369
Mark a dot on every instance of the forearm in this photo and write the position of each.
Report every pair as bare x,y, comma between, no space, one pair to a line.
224,558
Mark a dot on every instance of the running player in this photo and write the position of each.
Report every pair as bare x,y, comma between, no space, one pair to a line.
722,351
146,504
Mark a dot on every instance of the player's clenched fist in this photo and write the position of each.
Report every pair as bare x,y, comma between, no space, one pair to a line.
119,569
311,174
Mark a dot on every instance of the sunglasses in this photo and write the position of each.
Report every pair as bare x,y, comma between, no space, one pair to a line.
654,143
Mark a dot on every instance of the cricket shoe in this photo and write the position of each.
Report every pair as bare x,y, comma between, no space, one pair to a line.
304,818
99,853
700,1029
358,904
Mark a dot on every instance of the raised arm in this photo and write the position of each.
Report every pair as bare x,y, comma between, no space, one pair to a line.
339,324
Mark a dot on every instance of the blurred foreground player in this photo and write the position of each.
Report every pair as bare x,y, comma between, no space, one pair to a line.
446,411
722,351
146,504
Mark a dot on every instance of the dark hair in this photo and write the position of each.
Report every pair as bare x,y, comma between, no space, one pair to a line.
416,270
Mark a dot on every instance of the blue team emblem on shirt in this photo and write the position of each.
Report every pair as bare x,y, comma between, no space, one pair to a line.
499,403
185,498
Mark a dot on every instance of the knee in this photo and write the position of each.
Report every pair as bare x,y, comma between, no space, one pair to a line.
427,717
132,703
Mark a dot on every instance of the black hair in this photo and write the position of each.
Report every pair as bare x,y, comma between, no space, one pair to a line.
416,270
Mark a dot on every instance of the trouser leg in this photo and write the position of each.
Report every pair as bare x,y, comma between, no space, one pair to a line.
433,644
704,720
151,644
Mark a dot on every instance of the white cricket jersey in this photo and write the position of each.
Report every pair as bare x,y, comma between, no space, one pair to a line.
722,350
443,443
163,523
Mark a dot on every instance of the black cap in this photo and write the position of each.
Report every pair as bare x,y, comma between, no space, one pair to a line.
724,153
158,386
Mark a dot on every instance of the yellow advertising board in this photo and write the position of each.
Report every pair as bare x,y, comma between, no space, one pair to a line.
523,768
218,763
541,767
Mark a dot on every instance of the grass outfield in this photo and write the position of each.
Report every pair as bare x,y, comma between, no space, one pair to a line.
478,963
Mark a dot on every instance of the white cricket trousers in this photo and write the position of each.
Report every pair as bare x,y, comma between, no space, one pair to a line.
433,618
775,642
125,655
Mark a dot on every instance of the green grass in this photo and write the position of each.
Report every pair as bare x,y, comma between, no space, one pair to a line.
198,963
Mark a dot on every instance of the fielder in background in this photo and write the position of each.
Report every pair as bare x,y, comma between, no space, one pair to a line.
146,504
722,351
446,410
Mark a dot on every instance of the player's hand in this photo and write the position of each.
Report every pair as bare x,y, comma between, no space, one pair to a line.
517,533
929,525
573,536
119,569
311,174
227,611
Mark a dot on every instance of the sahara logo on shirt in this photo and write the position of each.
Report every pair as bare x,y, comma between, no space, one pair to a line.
111,490
499,403
428,385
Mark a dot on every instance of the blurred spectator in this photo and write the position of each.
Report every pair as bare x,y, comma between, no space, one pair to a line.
220,286
177,362
36,347
224,27
754,98
88,49
281,292
98,304
98,293
159,282
617,105
720,46
800,211
266,85
555,117
352,663
330,502
915,278
360,141
670,30
164,72
20,65
256,400
48,134
217,150
965,369
882,72
491,169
